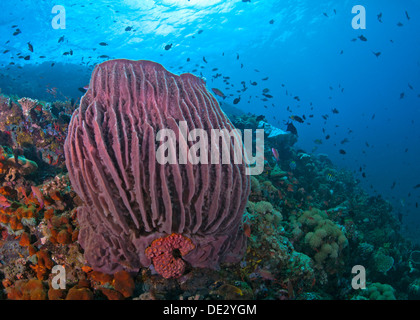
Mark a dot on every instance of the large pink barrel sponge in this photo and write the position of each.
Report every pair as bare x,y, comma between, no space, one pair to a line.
130,199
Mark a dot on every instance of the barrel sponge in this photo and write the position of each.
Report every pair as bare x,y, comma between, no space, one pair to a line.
131,199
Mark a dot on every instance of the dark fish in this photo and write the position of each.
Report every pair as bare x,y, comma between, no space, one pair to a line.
200,31
416,186
128,28
61,39
377,54
27,58
410,86
380,17
246,0
364,175
219,93
327,137
30,47
406,14
271,21
14,26
394,184
291,128
6,51
168,46
17,32
188,59
399,24
265,90
253,83
204,59
296,98
342,51
236,100
335,111
362,37
82,90
267,95
345,140
325,14
237,55
214,69
104,56
342,151
42,57
402,94
297,118
266,78
103,44
373,117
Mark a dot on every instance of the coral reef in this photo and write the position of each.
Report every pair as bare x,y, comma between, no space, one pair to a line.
306,222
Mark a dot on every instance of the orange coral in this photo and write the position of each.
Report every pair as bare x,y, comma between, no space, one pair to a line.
25,240
77,293
27,290
44,264
123,283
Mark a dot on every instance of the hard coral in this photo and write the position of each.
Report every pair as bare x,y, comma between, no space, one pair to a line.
130,198
163,253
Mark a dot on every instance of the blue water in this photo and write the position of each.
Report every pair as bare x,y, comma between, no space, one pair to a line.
307,47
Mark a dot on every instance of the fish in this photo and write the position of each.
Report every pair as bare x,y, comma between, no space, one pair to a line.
17,32
406,14
30,47
377,54
362,37
394,184
275,154
399,24
416,186
379,16
335,111
236,100
342,151
410,86
204,59
128,29
325,14
103,44
297,118
61,39
168,46
38,195
327,137
82,90
271,21
27,58
253,83
318,141
219,93
104,56
402,94
264,79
